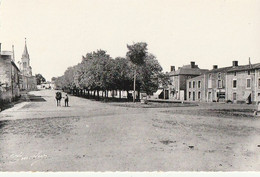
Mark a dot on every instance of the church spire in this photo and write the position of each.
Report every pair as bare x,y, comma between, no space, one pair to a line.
25,51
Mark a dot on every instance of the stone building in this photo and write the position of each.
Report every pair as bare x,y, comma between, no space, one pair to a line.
243,83
178,79
212,86
9,77
27,80
196,88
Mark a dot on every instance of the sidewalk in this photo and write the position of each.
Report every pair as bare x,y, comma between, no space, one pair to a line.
206,104
163,101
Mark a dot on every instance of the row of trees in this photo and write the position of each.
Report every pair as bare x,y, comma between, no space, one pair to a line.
98,71
40,79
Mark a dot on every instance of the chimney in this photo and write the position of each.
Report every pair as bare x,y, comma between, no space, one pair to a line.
172,68
215,66
234,63
192,64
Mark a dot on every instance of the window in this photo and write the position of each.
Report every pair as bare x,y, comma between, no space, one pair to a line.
248,73
219,83
248,83
210,81
234,83
194,84
194,96
234,96
209,96
219,75
259,83
235,73
189,84
199,95
189,95
199,84
24,64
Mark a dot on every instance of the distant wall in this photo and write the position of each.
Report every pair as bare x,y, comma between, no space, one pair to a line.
28,82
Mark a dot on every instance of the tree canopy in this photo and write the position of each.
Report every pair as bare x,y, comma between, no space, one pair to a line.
137,52
98,71
40,79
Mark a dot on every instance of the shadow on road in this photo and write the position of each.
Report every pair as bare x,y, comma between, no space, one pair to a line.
34,98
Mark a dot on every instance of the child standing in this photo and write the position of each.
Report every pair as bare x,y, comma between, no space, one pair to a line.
66,101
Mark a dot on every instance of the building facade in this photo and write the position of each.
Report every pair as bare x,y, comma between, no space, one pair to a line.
243,84
196,88
9,77
237,84
213,84
178,79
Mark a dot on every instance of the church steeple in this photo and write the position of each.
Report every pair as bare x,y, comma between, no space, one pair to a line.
25,51
25,67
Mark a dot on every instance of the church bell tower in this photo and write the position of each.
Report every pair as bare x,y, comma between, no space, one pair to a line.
25,67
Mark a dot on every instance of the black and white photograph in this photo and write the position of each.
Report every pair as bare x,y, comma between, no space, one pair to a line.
149,86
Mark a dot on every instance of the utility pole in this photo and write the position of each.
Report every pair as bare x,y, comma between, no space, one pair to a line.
134,85
11,78
13,53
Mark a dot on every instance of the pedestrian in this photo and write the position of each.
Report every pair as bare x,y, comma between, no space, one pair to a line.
66,100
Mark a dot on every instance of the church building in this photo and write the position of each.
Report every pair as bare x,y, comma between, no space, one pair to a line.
27,80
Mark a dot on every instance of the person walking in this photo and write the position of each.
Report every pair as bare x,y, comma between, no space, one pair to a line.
66,100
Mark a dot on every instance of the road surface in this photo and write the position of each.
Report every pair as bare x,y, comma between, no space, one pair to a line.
96,136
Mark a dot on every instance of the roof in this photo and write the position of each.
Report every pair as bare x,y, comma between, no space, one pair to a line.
9,53
224,69
198,77
188,71
25,51
13,63
244,67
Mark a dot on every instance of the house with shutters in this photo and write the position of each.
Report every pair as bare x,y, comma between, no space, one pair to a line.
243,83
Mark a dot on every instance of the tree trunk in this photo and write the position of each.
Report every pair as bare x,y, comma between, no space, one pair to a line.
119,94
164,93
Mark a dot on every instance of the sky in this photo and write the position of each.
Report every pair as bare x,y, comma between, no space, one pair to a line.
59,32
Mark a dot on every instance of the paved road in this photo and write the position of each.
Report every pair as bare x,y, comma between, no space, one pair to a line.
95,136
